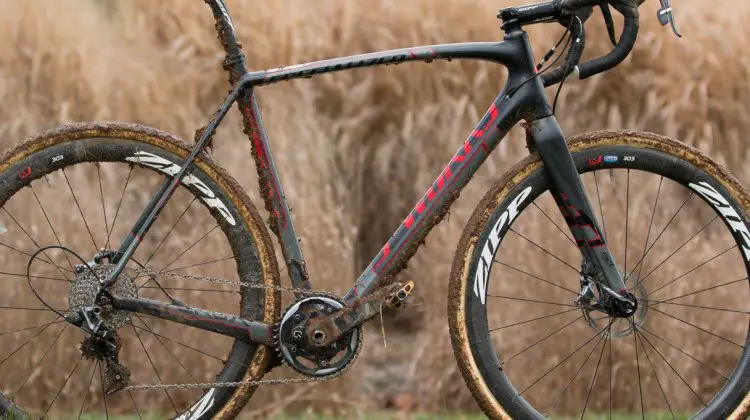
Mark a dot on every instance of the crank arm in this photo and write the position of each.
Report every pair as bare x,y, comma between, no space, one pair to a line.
221,323
325,330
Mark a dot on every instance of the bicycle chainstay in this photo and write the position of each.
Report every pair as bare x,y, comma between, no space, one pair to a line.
208,385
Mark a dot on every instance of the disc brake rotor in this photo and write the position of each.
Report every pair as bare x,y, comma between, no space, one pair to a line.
620,327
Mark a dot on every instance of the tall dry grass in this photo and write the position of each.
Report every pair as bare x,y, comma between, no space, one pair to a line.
340,139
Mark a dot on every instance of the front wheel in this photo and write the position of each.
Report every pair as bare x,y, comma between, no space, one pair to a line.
525,331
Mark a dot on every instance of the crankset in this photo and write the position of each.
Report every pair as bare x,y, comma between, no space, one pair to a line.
298,351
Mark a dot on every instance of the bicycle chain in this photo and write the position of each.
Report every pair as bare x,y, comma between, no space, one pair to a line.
208,385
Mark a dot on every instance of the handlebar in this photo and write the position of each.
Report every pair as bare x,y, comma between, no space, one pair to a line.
623,47
562,11
556,75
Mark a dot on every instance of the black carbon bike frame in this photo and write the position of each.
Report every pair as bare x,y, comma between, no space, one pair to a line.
522,98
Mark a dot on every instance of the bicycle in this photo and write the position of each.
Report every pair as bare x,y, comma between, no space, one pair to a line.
320,335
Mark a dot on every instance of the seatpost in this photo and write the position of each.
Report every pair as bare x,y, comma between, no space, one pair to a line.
234,62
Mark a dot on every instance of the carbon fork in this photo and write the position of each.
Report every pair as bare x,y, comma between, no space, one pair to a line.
573,202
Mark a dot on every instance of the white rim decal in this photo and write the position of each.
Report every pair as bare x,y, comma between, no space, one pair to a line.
727,212
200,408
490,247
169,168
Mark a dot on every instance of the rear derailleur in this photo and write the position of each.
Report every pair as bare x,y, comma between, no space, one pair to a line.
104,346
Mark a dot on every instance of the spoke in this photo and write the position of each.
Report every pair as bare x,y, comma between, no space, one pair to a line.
580,368
36,365
680,247
593,380
627,218
119,204
543,339
101,194
642,328
695,268
561,362
154,367
704,290
533,319
190,247
657,302
104,394
656,376
169,231
601,212
185,345
669,223
532,301
638,369
35,326
88,388
168,350
698,328
536,277
96,248
57,238
198,264
559,229
63,385
137,411
26,342
34,277
545,251
20,308
673,369
610,379
648,235
49,260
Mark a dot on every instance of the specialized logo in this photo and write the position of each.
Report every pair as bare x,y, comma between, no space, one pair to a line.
463,159
200,408
490,247
169,168
727,212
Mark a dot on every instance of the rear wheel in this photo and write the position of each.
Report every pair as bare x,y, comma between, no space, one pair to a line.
83,187
527,339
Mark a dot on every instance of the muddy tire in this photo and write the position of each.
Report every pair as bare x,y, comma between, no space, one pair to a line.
77,154
505,373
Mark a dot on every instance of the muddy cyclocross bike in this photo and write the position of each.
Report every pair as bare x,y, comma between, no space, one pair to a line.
603,274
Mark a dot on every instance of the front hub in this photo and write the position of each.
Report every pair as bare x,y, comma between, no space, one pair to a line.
619,317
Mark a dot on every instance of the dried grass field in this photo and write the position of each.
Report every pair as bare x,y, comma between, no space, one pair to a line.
355,151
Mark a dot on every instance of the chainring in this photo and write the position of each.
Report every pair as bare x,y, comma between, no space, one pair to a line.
319,363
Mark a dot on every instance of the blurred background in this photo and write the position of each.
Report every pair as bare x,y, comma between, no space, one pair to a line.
339,140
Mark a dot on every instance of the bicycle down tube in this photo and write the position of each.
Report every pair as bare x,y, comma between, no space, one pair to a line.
522,98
